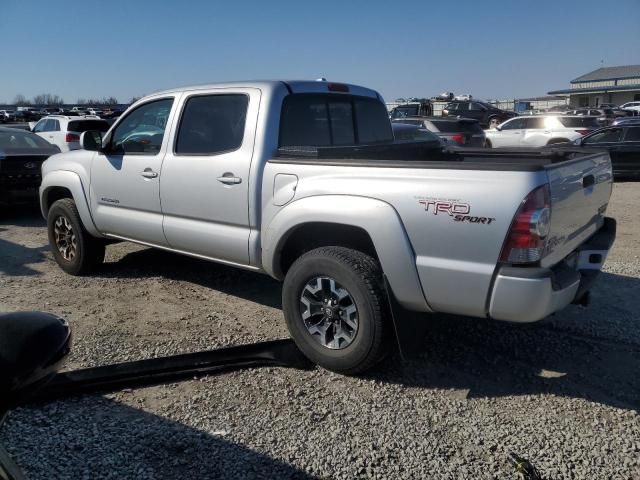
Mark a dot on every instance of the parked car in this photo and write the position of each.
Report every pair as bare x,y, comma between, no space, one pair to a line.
623,144
94,111
416,109
605,116
21,156
538,131
455,131
303,181
79,110
559,109
626,121
404,132
27,114
633,106
64,131
444,97
7,116
485,113
110,113
464,97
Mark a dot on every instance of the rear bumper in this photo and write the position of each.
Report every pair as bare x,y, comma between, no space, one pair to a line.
531,294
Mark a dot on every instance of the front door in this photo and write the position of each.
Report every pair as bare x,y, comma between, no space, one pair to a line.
205,175
125,181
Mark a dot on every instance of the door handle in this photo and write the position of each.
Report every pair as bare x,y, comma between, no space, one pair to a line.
148,173
229,179
588,181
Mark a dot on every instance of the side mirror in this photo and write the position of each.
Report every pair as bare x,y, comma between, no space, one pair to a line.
498,128
32,125
91,140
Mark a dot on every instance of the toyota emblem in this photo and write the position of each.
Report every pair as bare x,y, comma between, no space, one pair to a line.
30,165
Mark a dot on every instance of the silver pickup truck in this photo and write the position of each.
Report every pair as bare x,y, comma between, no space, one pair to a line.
302,181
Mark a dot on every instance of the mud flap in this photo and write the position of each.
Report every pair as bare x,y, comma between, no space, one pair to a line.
410,327
154,371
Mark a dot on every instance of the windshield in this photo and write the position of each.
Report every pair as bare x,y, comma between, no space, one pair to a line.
22,141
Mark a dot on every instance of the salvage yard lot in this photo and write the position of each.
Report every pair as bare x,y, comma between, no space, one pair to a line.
564,393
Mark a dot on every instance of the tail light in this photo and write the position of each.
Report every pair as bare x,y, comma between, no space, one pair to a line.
338,87
458,138
530,227
583,131
71,137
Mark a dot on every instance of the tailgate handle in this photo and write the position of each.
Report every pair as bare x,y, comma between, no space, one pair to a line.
588,181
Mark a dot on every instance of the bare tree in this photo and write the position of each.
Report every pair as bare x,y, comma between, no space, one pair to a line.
21,100
48,99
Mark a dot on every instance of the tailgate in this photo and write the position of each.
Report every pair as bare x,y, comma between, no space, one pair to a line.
580,191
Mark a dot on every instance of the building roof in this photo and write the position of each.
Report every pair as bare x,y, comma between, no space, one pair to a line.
609,73
619,88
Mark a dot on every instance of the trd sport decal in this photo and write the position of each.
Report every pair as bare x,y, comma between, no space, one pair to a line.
459,211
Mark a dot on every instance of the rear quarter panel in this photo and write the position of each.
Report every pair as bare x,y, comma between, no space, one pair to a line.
455,260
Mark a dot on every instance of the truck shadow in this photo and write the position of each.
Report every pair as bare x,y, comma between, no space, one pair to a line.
101,438
15,258
153,262
591,353
26,214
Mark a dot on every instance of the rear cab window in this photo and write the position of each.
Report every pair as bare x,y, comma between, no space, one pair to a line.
457,127
322,120
573,122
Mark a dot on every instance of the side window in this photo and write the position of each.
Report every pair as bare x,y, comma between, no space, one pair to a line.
533,123
515,124
476,107
55,126
142,130
605,136
452,107
633,134
41,126
212,124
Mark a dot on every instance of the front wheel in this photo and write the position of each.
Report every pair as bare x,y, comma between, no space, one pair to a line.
74,249
334,305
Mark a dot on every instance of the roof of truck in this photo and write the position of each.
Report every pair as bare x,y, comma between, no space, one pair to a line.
295,86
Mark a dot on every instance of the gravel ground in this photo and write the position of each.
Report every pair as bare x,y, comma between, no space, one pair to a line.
564,393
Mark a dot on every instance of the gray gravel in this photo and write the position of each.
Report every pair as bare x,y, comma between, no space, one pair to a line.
564,393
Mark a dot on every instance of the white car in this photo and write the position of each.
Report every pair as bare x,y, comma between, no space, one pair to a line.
64,131
94,111
634,106
465,97
540,130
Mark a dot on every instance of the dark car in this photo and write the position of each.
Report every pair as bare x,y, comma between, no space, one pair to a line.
416,109
488,115
404,132
456,131
21,156
623,144
605,116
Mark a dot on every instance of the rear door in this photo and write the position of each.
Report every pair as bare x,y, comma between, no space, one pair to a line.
534,134
626,155
205,175
473,110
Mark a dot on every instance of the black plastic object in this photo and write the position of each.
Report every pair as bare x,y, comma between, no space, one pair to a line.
153,371
33,346
410,327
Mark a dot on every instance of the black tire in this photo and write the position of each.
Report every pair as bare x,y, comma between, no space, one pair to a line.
360,275
89,251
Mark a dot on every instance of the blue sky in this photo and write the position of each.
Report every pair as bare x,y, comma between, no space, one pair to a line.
491,49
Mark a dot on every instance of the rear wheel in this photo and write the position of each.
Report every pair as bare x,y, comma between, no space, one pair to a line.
334,305
74,249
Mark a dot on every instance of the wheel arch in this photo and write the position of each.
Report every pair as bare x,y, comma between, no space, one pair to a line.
65,184
362,223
